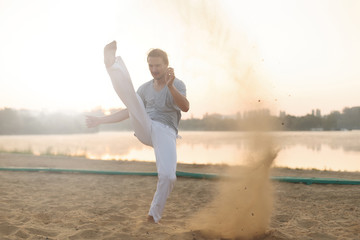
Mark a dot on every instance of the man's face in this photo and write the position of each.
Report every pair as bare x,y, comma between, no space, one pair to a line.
157,67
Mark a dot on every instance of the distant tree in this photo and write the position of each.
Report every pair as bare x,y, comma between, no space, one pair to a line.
331,121
350,118
9,121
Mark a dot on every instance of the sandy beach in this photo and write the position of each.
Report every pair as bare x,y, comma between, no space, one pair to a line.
43,205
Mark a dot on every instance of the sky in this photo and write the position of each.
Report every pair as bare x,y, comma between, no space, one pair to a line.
233,56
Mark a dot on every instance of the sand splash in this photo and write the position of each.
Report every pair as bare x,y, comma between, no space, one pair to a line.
243,206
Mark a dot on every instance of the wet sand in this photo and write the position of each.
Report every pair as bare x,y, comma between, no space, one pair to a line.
42,205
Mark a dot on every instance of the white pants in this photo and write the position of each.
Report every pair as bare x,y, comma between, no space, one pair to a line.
161,137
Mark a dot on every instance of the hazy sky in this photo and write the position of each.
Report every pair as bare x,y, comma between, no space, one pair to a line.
233,56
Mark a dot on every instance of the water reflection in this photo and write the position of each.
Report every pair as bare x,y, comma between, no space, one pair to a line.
339,151
319,150
347,140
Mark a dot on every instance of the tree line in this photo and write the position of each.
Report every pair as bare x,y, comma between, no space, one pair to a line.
348,119
30,122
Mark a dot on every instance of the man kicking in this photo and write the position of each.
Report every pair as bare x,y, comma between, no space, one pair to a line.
154,111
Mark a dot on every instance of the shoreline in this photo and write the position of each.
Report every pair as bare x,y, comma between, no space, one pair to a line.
67,162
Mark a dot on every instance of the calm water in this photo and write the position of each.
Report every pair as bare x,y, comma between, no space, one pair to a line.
319,150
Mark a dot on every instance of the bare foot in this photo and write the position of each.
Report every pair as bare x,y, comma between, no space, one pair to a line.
109,54
150,219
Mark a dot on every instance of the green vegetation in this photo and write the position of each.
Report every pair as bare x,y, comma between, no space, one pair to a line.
29,122
16,151
349,119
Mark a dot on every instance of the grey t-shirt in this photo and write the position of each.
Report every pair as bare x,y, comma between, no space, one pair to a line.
160,105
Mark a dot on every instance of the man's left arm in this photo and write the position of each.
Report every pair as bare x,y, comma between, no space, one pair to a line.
179,99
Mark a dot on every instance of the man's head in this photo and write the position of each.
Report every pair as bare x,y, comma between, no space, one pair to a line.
156,52
158,63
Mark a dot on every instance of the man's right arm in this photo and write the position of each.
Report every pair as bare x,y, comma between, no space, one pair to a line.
92,121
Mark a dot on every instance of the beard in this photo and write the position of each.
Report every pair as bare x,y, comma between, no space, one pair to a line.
158,75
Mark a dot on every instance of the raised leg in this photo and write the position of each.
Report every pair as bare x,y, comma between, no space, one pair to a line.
124,88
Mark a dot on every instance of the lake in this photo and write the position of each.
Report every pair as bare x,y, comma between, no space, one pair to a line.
338,151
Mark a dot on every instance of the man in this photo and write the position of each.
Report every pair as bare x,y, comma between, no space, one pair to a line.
154,111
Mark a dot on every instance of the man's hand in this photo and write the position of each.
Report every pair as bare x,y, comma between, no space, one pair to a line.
179,99
169,77
92,121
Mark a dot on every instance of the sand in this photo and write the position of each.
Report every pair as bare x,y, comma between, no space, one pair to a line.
41,205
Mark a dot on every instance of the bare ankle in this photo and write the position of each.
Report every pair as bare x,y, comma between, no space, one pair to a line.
150,219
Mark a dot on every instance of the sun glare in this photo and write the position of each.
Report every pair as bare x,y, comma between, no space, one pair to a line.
49,61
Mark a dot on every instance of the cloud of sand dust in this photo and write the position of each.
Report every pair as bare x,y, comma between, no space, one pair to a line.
243,205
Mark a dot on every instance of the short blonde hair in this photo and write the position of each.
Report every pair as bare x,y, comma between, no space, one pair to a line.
156,52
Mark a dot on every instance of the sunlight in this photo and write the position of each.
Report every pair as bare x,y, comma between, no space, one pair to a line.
52,52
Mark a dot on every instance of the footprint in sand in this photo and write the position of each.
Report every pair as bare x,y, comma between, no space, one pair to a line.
6,229
283,218
21,234
45,233
44,217
306,223
117,218
322,236
86,234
